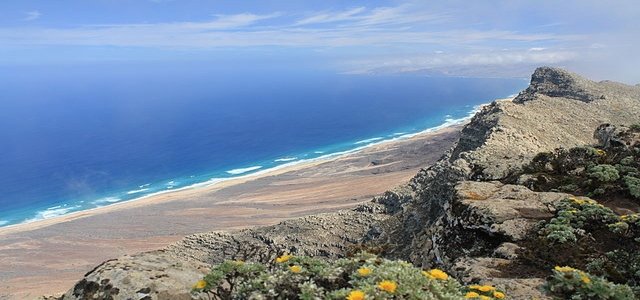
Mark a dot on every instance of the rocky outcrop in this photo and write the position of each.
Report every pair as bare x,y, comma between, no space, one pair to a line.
456,215
559,109
609,136
554,82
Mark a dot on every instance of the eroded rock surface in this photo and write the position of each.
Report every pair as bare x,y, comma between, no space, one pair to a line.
170,273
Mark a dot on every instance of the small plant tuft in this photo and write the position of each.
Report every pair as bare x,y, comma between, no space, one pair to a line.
570,283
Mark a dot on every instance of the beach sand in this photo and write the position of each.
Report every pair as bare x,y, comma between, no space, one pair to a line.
49,256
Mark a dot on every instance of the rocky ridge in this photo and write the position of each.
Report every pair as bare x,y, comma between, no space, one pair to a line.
454,214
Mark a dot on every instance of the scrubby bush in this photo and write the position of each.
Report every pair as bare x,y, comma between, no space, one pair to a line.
364,276
627,161
570,283
589,236
604,173
633,184
572,216
609,174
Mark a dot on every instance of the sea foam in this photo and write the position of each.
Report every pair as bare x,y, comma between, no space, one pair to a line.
137,191
368,140
106,200
285,159
52,212
243,170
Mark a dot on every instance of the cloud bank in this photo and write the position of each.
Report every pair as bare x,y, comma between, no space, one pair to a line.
409,36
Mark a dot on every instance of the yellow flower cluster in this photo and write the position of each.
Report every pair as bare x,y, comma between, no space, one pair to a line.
600,152
484,289
388,286
364,271
295,269
631,218
583,276
584,201
436,274
200,284
284,258
564,269
356,295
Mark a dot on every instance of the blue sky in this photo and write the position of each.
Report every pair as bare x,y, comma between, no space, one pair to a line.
494,38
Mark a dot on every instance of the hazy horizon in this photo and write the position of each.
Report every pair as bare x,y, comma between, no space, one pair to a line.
459,38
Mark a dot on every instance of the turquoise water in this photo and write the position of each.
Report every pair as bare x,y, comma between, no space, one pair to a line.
88,136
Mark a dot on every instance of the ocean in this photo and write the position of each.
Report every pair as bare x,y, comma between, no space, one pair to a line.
79,137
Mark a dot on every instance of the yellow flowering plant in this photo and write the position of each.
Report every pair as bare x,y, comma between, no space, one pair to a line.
364,271
570,283
485,291
361,277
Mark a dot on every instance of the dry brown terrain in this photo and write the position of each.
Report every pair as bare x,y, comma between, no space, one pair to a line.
47,257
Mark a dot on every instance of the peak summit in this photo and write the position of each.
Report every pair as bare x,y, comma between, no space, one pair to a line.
556,82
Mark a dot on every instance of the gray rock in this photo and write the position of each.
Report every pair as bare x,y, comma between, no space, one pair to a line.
555,82
616,136
507,251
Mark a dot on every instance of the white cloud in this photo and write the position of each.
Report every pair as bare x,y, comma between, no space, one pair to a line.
329,17
363,17
32,15
456,33
412,63
220,22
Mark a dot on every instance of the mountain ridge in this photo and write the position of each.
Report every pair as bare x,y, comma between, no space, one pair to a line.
435,220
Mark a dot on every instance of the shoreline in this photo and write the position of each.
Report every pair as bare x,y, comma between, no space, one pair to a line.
220,183
56,252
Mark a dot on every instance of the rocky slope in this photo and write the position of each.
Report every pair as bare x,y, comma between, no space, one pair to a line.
454,215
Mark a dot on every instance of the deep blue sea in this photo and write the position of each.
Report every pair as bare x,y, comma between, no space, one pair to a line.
79,137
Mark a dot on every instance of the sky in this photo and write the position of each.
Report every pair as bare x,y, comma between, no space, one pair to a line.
505,38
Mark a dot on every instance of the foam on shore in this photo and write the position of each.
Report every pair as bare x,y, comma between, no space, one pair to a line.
243,170
240,173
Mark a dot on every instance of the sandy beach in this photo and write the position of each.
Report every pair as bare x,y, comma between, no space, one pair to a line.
49,256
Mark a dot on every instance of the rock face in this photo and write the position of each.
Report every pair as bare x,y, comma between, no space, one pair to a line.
615,136
555,82
455,216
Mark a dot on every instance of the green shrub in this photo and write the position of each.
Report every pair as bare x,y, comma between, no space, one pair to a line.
584,171
618,266
604,173
570,283
364,276
627,161
627,170
633,184
572,216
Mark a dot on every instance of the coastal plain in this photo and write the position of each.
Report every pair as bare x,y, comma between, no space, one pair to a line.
47,257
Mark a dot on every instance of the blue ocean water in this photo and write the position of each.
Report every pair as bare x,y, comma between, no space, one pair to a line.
80,137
